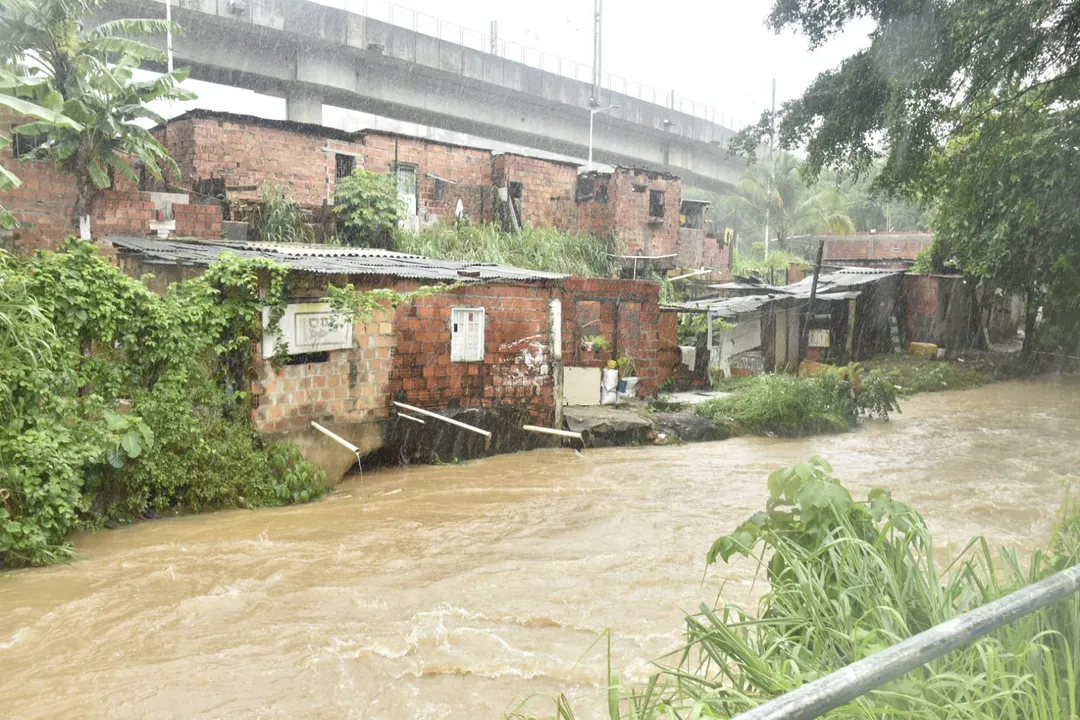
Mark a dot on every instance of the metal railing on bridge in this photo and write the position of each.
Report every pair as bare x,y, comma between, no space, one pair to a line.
849,683
429,25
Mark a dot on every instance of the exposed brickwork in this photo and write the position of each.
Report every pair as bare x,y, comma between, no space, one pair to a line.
353,386
45,202
468,171
119,212
874,246
199,221
516,369
547,192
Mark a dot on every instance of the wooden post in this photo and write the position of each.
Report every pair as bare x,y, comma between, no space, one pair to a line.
804,339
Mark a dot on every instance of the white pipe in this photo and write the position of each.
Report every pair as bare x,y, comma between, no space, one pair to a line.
690,275
437,416
552,431
340,441
168,33
410,417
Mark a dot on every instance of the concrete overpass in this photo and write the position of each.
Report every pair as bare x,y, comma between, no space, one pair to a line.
312,54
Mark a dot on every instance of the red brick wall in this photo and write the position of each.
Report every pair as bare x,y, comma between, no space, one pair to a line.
469,169
517,361
119,212
352,386
629,317
44,204
548,189
200,221
877,246
594,216
247,154
640,233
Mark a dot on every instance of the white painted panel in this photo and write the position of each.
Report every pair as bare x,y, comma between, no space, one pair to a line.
581,386
308,327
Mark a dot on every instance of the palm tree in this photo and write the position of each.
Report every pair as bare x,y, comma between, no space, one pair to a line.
25,97
91,74
772,197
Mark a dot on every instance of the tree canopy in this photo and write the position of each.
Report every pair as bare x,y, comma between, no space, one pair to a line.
89,77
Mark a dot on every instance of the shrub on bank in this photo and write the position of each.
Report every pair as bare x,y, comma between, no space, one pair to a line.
790,406
116,402
848,578
544,249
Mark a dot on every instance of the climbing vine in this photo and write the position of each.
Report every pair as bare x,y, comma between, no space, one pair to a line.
117,403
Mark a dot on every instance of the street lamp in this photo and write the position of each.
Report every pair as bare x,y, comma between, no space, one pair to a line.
592,114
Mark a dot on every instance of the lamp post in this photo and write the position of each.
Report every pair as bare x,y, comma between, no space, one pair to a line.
592,114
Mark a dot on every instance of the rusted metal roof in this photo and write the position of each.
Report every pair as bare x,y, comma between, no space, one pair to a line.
844,278
326,260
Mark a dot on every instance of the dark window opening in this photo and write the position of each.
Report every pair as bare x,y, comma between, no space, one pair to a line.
23,145
440,190
601,193
639,188
311,357
586,189
656,203
516,189
344,166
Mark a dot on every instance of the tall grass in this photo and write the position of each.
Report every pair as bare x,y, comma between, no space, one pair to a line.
848,579
543,249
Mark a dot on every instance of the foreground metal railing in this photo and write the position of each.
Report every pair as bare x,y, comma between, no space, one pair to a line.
859,678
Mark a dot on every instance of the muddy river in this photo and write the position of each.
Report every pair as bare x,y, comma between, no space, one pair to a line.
457,591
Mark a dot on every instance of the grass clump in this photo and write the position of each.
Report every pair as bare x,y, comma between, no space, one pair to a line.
544,249
915,375
848,578
789,406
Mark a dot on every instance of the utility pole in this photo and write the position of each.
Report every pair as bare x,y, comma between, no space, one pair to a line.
772,161
596,63
168,34
804,336
494,37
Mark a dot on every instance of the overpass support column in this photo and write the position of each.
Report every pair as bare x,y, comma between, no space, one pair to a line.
304,106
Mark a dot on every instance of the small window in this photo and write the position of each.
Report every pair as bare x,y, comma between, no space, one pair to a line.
466,335
344,166
601,193
406,187
656,203
306,358
23,145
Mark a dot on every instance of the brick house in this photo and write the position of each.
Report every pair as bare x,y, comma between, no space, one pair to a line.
497,340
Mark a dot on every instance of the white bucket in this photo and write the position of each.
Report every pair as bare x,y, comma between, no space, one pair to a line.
631,387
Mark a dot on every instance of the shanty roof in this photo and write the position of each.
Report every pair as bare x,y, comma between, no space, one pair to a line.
840,285
326,260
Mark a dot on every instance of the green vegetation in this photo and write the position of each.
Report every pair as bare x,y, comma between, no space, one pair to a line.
86,76
915,375
772,269
279,219
369,207
116,402
847,579
970,107
789,406
772,195
544,249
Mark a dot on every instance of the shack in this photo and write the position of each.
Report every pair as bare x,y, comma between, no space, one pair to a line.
492,344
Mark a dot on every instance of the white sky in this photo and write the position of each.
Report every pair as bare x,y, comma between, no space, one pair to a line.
713,51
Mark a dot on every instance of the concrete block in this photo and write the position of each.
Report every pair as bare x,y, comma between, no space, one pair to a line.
234,230
923,350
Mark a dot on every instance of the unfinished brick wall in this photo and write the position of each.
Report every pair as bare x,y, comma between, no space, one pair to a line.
873,246
352,386
119,212
627,313
640,232
454,171
199,221
547,192
597,215
44,204
923,319
516,369
248,153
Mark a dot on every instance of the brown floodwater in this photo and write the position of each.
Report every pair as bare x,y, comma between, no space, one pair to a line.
456,591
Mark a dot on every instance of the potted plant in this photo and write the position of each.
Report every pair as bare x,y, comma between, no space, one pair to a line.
595,343
628,378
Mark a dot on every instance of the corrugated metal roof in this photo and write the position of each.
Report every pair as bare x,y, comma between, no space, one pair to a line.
844,278
733,307
327,260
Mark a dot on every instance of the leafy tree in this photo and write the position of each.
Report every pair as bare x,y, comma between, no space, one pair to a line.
369,207
30,98
90,73
772,195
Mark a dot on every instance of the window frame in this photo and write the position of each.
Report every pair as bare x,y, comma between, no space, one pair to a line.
459,350
653,196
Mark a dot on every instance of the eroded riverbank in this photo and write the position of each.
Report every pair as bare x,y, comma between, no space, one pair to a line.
450,591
